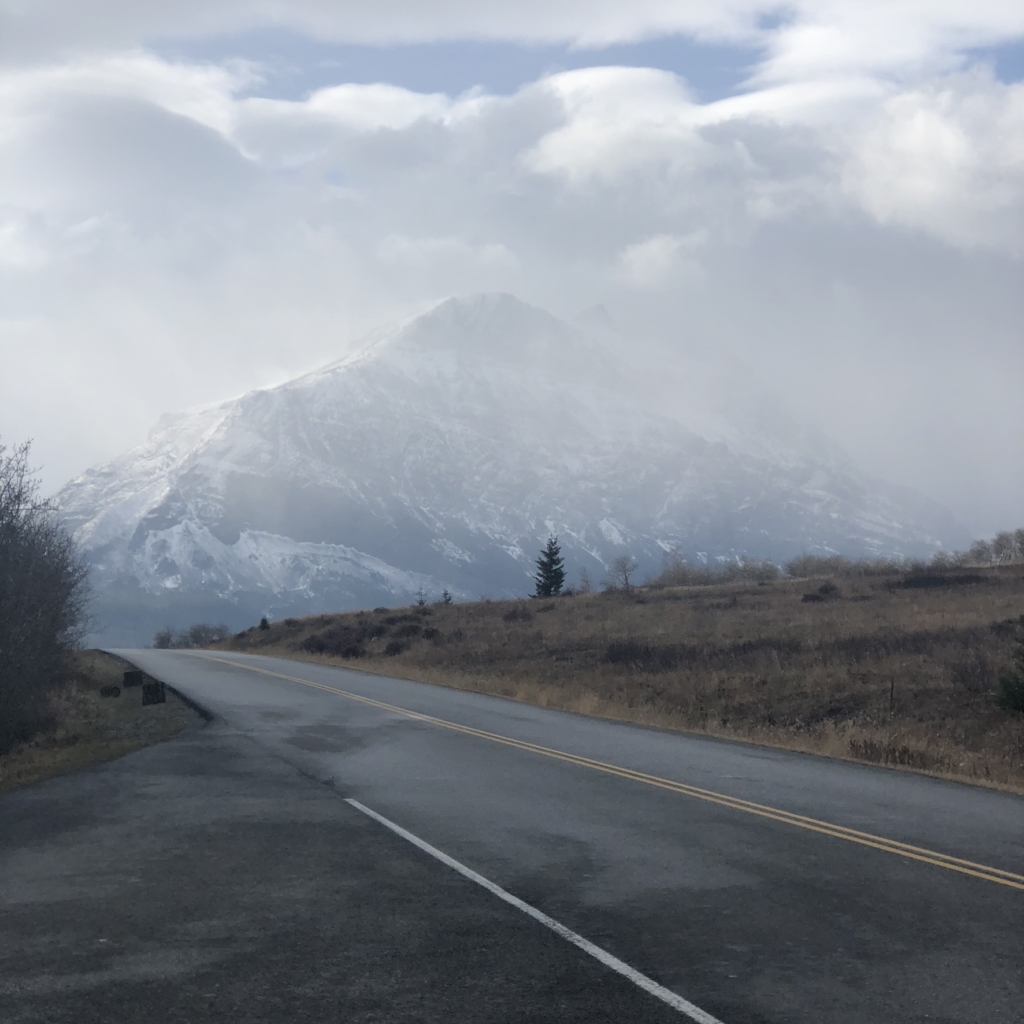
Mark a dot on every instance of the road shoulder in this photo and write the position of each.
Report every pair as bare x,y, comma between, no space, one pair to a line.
95,718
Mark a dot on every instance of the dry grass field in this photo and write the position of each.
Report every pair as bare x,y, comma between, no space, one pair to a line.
87,728
898,669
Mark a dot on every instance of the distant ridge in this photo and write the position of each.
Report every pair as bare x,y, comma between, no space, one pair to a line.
443,454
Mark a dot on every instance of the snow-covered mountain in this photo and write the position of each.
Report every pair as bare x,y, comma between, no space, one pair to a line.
443,454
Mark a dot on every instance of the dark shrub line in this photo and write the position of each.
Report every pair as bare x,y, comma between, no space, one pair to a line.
856,649
43,594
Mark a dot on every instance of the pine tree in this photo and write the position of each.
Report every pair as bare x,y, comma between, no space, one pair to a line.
550,576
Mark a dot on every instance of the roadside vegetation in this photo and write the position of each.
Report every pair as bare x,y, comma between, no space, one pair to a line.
199,635
91,717
916,667
42,601
60,708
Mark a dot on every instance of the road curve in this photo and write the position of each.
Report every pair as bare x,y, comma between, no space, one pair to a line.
758,884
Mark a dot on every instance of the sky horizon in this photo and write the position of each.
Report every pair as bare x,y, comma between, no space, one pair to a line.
201,200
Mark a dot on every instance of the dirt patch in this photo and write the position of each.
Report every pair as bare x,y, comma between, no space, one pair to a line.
92,724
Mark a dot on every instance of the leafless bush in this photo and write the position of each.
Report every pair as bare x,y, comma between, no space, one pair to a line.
42,598
620,574
518,614
199,635
1005,547
807,566
676,572
981,551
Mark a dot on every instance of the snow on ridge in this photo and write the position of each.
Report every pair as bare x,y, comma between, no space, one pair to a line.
458,440
188,554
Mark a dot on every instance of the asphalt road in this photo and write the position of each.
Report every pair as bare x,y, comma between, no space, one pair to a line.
217,877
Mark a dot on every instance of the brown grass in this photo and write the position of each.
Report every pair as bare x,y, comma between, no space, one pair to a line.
89,729
898,670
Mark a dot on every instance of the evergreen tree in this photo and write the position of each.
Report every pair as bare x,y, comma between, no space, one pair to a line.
550,577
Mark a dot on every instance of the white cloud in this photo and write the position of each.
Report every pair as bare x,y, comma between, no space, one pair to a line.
18,248
429,252
614,119
201,93
53,26
355,107
826,38
168,238
948,159
805,38
650,263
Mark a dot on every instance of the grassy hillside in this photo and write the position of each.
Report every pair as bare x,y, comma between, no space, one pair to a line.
897,668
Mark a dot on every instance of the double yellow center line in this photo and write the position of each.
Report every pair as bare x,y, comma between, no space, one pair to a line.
941,860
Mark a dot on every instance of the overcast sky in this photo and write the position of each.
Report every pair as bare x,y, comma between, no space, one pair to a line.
199,198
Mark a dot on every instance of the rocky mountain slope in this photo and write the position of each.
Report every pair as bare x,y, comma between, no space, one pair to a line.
442,455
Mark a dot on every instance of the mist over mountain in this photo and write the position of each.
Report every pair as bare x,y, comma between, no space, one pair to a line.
444,453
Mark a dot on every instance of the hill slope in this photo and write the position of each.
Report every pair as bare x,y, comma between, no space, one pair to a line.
892,668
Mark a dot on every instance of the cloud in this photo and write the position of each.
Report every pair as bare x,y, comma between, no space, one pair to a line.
614,119
18,249
56,26
650,263
947,158
831,38
201,93
419,252
168,236
804,39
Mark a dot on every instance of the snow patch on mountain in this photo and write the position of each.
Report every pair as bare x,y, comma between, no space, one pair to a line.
445,451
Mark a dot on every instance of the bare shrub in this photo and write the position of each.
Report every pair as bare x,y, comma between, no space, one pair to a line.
981,551
199,635
808,566
974,672
42,598
621,573
677,572
1002,547
518,614
1011,685
927,580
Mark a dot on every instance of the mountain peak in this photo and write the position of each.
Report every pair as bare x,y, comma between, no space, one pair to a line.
442,456
597,318
490,331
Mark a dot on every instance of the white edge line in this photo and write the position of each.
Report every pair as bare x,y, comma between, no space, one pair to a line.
677,1002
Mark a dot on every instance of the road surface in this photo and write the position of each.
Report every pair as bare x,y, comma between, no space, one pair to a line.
747,884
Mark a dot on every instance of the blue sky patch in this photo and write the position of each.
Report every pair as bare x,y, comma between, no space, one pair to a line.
296,66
